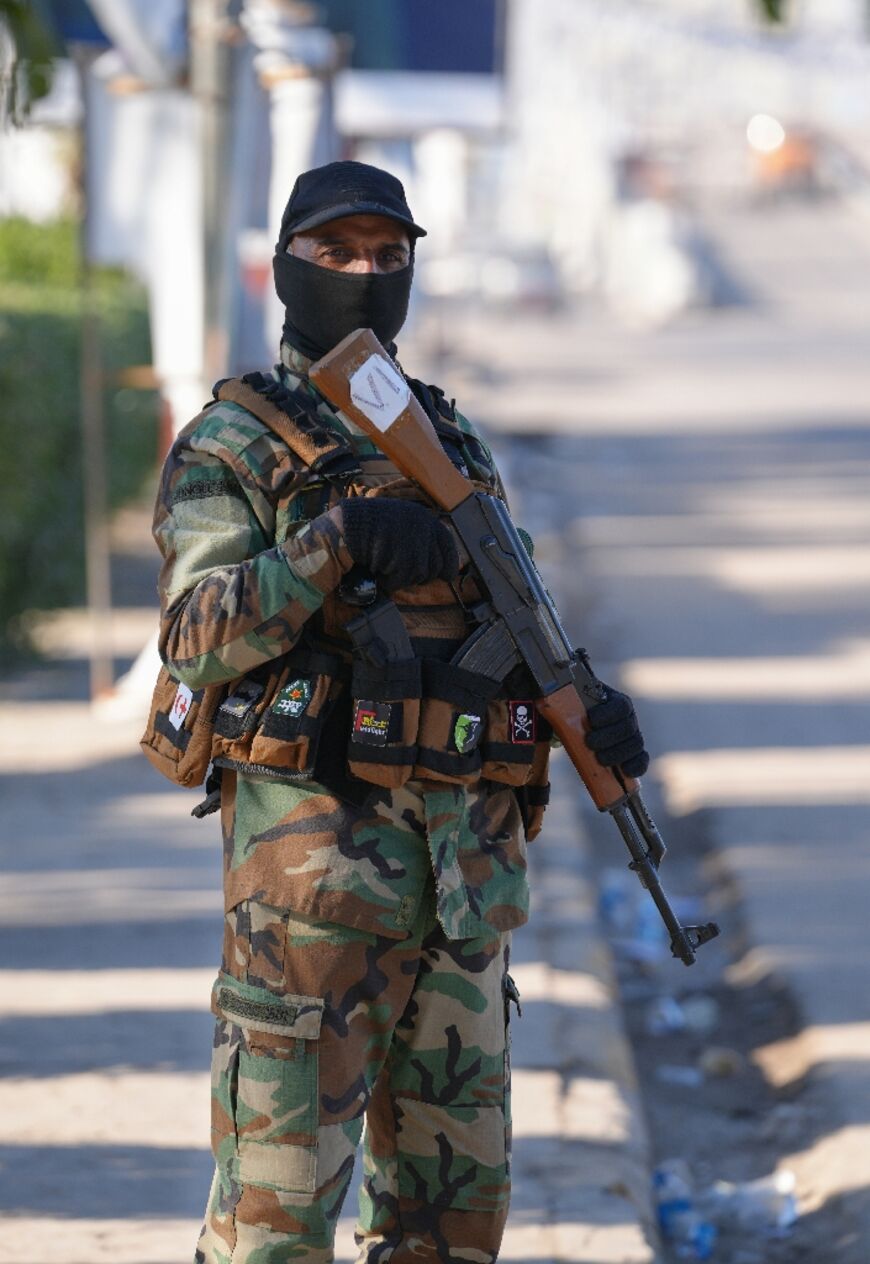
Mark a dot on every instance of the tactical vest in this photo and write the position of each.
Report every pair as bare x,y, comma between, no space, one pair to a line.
319,713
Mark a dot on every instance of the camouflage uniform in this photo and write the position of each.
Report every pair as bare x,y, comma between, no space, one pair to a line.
365,960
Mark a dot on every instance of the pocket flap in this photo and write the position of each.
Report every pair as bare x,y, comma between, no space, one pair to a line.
255,1009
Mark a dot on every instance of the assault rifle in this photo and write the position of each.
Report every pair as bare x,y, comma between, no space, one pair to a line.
517,621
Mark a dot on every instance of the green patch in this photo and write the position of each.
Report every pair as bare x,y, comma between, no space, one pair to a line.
294,698
466,732
256,1011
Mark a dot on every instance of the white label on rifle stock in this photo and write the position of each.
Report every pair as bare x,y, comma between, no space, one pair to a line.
379,392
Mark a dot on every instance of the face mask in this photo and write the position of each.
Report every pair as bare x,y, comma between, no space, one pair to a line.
323,306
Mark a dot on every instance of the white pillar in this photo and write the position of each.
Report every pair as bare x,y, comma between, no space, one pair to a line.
295,63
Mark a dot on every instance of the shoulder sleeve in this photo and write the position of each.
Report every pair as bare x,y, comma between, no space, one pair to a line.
230,598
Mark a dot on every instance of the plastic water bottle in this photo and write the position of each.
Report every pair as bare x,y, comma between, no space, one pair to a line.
767,1206
692,1237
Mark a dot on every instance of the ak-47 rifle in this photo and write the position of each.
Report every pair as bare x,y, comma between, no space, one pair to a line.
517,622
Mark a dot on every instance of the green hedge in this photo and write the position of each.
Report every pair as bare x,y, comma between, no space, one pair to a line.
41,507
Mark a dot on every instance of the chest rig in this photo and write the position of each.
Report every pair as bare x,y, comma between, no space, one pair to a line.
369,697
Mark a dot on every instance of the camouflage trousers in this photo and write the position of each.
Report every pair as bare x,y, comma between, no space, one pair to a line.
320,1027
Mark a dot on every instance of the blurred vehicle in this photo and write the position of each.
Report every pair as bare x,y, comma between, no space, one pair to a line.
513,276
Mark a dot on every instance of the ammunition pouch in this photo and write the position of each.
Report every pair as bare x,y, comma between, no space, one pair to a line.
178,737
382,747
272,721
534,795
453,721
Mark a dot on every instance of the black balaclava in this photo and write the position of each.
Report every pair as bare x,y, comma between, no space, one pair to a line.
322,306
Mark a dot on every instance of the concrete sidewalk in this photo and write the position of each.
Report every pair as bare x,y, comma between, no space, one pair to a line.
109,938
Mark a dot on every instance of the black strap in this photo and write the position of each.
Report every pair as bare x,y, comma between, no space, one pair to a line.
434,403
298,406
465,450
212,801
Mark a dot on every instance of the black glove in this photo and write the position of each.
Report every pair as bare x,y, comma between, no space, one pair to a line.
399,541
615,736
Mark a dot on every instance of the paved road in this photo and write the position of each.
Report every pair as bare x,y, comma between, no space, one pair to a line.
714,479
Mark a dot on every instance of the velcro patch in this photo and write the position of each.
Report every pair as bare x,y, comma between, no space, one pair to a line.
293,698
180,706
371,722
467,730
523,722
286,1015
240,703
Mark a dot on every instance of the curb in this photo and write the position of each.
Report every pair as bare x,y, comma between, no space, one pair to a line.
581,1149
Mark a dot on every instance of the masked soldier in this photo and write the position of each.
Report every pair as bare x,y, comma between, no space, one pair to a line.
374,820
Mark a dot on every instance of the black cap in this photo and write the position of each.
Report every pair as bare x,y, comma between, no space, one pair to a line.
344,188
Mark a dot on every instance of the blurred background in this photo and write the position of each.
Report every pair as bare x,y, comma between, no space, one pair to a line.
647,278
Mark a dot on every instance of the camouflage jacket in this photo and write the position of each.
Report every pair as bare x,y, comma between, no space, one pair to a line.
245,567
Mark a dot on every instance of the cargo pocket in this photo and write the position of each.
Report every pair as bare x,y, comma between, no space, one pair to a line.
384,722
291,724
178,738
452,722
265,1085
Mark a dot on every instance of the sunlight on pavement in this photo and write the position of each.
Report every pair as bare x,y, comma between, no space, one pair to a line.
805,516
831,1168
784,775
844,674
756,570
576,1242
787,1061
63,736
585,1109
539,981
105,895
51,993
171,807
34,1240
169,1110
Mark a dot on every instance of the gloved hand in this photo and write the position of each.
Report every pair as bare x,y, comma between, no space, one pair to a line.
614,734
400,542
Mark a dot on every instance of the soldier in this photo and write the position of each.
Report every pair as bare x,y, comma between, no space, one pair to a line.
374,823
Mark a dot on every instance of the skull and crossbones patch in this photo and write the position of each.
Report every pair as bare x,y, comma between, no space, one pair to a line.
522,722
